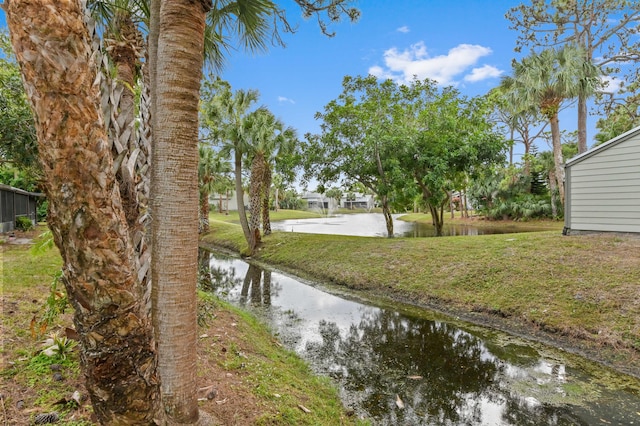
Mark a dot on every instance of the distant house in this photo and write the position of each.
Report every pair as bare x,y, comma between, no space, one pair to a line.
315,200
357,200
602,187
229,201
353,200
14,203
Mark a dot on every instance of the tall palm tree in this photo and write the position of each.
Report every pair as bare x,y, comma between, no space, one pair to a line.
226,115
270,140
178,61
546,80
283,145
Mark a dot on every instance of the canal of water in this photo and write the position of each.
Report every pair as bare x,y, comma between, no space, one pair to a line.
398,365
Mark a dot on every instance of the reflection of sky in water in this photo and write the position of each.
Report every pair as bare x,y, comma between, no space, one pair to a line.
527,389
310,304
373,225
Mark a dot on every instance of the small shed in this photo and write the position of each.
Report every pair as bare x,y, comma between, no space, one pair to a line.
602,187
15,202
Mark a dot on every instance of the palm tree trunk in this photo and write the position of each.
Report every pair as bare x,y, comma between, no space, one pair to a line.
255,197
266,186
86,214
204,213
557,155
174,197
130,146
240,197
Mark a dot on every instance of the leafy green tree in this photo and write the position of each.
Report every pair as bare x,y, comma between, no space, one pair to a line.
291,200
18,143
357,139
444,135
604,30
546,80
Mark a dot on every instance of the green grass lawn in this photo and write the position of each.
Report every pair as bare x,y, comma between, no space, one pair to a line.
281,214
581,288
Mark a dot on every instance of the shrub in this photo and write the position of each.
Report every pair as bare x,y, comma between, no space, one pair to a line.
42,209
23,223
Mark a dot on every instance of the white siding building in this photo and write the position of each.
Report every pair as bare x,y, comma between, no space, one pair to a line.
602,187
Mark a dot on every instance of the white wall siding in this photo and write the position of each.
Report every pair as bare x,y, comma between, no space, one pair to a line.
603,188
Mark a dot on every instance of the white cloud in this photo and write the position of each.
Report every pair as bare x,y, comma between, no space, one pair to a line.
402,66
483,73
403,29
283,99
611,84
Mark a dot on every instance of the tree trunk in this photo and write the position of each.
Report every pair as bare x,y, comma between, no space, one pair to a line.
463,199
452,206
175,202
242,214
553,190
582,124
266,187
388,219
511,146
87,219
557,155
436,216
203,220
255,200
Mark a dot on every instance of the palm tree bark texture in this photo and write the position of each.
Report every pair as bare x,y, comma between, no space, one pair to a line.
53,46
175,201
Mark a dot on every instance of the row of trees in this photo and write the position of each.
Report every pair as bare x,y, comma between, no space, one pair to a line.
260,143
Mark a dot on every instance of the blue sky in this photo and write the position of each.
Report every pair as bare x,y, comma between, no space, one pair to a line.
465,43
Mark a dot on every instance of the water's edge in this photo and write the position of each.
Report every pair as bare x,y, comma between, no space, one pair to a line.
531,332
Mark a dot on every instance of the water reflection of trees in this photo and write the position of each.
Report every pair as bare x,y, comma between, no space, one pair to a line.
256,287
214,279
434,368
257,284
443,375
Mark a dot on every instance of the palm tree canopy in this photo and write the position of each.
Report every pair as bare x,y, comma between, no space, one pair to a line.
225,114
548,78
212,168
246,23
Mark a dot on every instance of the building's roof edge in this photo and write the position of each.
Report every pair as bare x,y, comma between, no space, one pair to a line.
611,142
